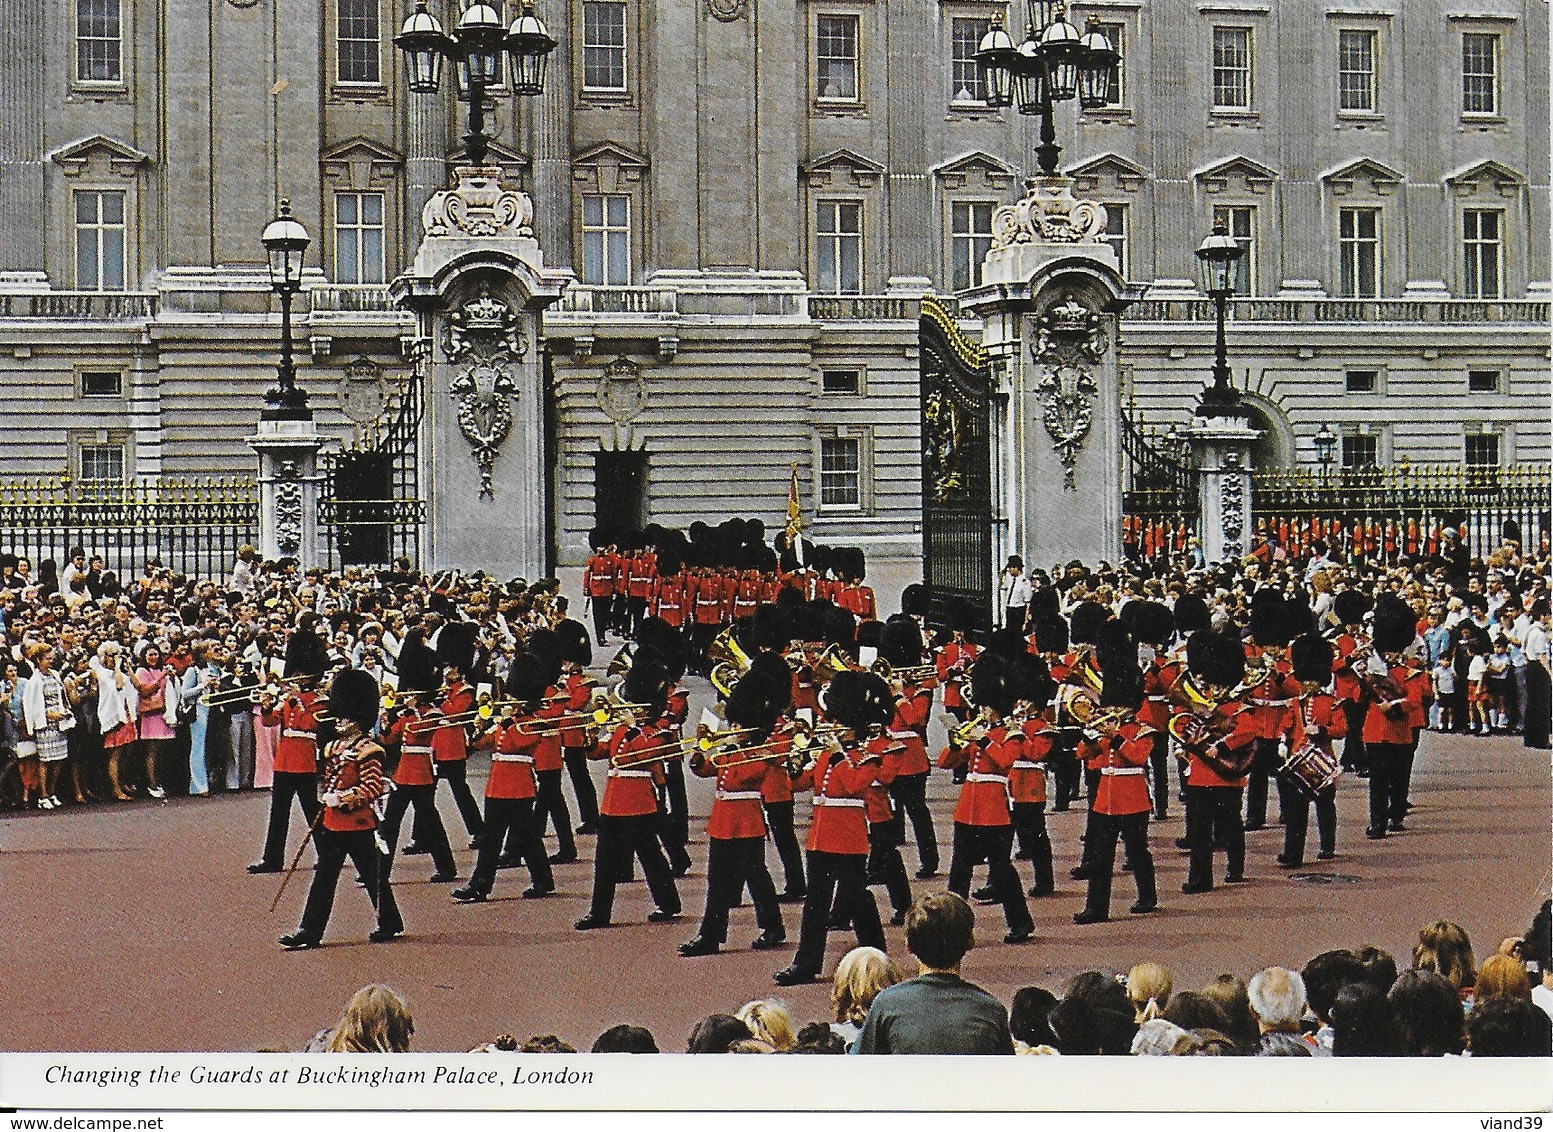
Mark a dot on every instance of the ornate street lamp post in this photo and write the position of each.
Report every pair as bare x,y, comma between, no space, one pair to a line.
476,49
1217,258
285,242
1326,450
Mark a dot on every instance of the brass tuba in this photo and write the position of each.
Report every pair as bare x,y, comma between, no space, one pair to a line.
729,661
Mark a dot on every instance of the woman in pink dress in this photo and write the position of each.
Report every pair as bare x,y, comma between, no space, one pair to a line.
264,740
151,682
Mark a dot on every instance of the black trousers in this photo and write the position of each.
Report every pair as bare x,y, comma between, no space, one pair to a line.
779,819
550,808
1296,820
510,821
1539,702
731,864
1388,786
603,617
1213,814
1029,820
674,811
361,847
993,844
287,785
884,861
1159,767
1102,831
576,760
836,878
1063,761
1264,764
455,772
621,838
1355,756
427,820
910,794
635,613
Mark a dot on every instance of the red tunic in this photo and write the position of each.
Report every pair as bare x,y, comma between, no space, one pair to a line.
736,811
297,751
888,751
354,771
1027,776
547,751
413,732
1241,735
449,744
512,762
708,603
1379,727
1121,760
628,791
746,595
1158,679
954,666
670,600
1270,702
1321,711
984,794
1344,682
598,578
839,823
578,690
909,728
643,569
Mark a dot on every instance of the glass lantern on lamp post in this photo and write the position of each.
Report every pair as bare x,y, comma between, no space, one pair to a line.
1216,258
285,243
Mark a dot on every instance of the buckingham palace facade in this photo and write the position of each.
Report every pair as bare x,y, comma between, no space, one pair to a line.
754,195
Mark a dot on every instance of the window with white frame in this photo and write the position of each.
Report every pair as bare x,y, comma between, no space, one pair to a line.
844,381
357,38
606,239
1361,381
836,58
970,239
838,247
102,383
964,75
1482,253
1116,235
1356,70
841,472
1232,68
1240,221
101,462
358,238
1358,242
1482,449
1361,450
603,45
99,41
1482,381
1479,73
100,237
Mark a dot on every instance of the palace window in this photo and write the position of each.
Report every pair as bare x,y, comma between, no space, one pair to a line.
1116,235
1358,238
971,239
836,58
1479,73
846,381
1482,252
1482,449
1232,68
838,250
358,238
606,239
102,383
965,78
841,460
603,45
358,46
1356,70
99,41
99,240
1115,32
1240,220
1361,450
1482,381
1361,381
101,462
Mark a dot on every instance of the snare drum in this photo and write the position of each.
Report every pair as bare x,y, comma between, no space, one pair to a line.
1311,769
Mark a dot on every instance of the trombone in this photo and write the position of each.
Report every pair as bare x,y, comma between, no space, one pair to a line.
228,696
605,711
680,746
915,674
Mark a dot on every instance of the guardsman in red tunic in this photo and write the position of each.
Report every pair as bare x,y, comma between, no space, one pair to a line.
886,830
296,754
1219,739
511,788
598,585
671,598
838,830
628,812
1390,693
1316,720
736,828
1153,626
954,665
449,744
983,828
707,613
900,645
1349,607
577,690
415,782
352,782
642,575
1272,627
746,595
776,796
1121,805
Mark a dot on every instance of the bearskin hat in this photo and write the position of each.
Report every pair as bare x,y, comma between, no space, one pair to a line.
1117,654
572,636
1191,614
840,627
1350,606
667,642
1007,642
1031,679
958,614
1216,658
1150,621
1299,618
527,678
1311,658
1085,622
649,681
755,704
770,628
353,695
1395,626
1045,601
915,599
868,634
994,683
456,646
1269,620
305,655
1051,634
769,668
900,642
858,700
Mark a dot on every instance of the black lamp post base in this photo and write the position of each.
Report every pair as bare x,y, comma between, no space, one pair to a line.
1221,401
285,405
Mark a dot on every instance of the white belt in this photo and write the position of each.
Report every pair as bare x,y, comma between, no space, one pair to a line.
1271,703
1026,764
292,733
903,735
417,750
822,800
738,795
616,772
1003,778
1117,771
500,758
1159,699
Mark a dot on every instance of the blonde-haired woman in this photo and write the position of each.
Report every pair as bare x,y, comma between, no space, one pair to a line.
1148,987
117,708
1443,947
862,973
769,1022
375,1020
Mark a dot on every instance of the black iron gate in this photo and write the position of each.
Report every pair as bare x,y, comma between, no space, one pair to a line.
957,512
371,511
1160,497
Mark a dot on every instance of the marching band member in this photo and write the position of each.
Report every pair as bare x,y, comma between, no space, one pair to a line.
296,754
1051,642
1316,720
673,803
838,830
628,812
449,746
900,645
1270,700
576,655
1027,776
983,830
598,585
736,830
886,828
353,781
1153,625
1121,804
954,665
1389,691
511,788
550,802
1349,607
770,634
415,779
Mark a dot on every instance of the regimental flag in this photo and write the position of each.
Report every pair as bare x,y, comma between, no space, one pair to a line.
794,508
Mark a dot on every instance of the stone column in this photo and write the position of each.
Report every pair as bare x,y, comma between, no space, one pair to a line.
426,159
552,147
289,485
1051,299
23,176
478,286
1221,451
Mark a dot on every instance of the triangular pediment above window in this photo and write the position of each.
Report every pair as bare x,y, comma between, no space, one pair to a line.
842,167
975,170
1362,175
608,167
1482,177
359,162
1108,170
1235,174
611,153
117,156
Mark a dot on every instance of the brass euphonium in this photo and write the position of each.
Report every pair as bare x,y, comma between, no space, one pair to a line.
830,663
729,661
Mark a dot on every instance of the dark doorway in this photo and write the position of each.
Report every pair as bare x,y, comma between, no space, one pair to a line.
620,490
364,507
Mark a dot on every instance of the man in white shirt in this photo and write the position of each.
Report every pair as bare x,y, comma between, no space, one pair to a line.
1014,594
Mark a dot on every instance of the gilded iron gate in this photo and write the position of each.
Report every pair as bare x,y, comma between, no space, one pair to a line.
957,512
371,512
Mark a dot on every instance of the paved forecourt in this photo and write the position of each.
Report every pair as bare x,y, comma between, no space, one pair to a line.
135,927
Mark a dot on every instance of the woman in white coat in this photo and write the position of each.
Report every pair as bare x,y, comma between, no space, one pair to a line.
116,710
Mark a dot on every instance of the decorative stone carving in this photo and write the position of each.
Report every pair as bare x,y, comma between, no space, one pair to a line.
485,326
288,512
1232,510
941,444
1070,338
728,10
363,392
483,337
622,391
1048,213
478,205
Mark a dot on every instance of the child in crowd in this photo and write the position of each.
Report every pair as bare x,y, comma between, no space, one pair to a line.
1477,694
1444,678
